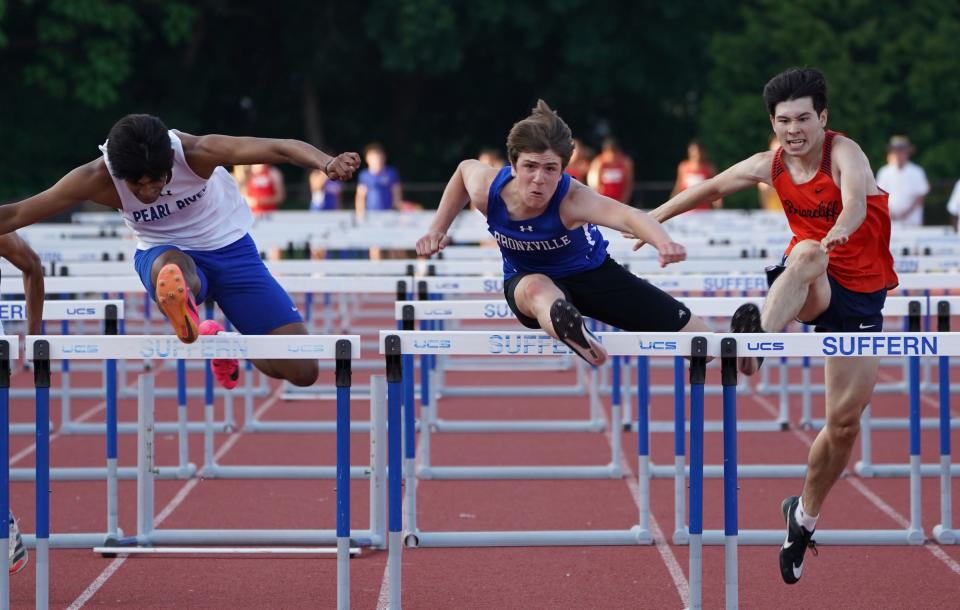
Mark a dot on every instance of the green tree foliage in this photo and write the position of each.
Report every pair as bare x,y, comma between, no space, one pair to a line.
889,70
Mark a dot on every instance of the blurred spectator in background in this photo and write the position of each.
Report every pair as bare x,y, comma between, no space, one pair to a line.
611,173
492,157
324,192
579,165
769,200
378,187
692,171
906,182
265,189
953,205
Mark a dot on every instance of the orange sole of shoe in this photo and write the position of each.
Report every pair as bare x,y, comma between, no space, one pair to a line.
174,299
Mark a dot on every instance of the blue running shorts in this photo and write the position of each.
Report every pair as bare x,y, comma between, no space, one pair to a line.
237,280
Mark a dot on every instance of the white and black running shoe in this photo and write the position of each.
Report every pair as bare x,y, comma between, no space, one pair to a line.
798,539
569,326
17,553
746,319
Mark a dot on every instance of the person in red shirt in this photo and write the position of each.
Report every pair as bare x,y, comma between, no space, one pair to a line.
692,171
611,172
265,189
836,273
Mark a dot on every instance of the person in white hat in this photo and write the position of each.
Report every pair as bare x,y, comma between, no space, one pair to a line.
905,181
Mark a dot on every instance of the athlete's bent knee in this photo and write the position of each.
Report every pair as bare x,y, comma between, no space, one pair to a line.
302,373
843,433
808,258
536,285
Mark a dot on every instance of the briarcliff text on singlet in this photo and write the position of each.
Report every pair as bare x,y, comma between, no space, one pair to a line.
826,209
531,246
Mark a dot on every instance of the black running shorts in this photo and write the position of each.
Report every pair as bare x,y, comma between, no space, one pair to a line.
612,295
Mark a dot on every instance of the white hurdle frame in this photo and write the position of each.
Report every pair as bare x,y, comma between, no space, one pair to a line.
728,346
342,348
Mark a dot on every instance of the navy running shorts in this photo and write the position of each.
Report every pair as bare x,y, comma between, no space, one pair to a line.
848,311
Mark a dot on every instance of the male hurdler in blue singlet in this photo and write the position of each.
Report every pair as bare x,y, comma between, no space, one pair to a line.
555,262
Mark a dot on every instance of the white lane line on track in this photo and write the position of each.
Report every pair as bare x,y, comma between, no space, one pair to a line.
866,492
167,510
659,540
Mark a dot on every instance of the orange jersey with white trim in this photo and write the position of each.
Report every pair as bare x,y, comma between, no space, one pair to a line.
864,263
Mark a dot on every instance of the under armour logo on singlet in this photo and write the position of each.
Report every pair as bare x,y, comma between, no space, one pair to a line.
167,194
525,228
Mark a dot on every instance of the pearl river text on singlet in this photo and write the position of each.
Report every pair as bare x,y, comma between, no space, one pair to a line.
542,244
191,213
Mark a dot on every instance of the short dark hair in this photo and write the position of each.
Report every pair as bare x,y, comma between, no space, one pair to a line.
138,145
543,130
794,84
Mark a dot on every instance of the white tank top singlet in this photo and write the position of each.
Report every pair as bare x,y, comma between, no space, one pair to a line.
191,213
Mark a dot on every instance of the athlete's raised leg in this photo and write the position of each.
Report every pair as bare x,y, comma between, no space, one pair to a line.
177,284
801,292
301,373
538,297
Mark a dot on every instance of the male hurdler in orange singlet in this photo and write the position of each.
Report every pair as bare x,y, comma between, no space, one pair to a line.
835,273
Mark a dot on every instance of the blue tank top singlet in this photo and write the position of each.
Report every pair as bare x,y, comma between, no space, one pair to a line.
542,244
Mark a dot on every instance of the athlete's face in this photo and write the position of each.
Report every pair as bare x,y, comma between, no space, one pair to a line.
798,126
537,176
148,189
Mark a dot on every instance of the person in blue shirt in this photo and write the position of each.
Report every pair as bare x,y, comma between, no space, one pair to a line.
555,261
324,192
378,186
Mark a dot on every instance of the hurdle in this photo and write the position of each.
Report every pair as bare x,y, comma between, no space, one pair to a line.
397,344
343,349
428,312
9,351
796,345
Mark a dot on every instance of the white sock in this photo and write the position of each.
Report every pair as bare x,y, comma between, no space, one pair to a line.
809,522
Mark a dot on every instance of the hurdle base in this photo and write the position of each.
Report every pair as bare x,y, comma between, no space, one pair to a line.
873,470
576,390
851,537
131,427
944,535
206,537
633,536
216,471
446,425
256,425
750,425
72,541
744,471
127,473
610,471
681,536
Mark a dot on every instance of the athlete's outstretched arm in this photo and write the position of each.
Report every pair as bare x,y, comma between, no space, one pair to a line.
743,175
855,178
82,184
586,205
22,256
470,182
205,153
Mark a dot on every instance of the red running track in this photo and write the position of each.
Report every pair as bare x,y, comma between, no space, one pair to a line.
654,576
